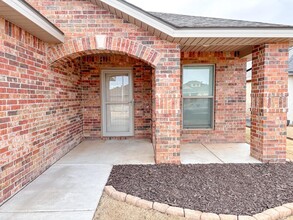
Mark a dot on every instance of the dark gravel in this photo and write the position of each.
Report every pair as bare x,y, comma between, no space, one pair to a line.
240,189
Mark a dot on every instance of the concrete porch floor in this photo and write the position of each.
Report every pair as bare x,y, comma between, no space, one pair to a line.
216,153
72,187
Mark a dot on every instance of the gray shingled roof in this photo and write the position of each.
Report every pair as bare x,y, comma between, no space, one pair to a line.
188,21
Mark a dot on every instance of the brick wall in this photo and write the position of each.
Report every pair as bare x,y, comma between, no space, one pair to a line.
269,102
230,96
40,110
91,67
81,20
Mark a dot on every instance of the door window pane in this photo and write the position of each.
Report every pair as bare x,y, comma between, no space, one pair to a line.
198,81
117,88
197,113
118,119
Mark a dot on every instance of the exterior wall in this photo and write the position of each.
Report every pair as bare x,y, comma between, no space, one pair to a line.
91,67
40,109
81,21
290,98
229,98
269,102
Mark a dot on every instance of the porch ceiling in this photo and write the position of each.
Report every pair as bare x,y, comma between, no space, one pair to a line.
224,38
222,44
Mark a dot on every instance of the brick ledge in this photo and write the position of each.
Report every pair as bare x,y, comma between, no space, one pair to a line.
278,213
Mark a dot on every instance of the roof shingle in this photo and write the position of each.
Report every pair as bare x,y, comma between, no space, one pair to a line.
188,21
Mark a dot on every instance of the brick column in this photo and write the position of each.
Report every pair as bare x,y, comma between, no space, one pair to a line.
167,109
269,91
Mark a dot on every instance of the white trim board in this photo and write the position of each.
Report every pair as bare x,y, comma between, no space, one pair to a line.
23,15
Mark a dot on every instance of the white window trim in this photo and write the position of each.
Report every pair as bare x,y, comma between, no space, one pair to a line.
212,97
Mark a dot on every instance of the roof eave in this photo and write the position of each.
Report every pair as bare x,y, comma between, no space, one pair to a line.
25,16
173,31
280,32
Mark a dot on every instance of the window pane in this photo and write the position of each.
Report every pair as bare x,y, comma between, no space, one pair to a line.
197,113
118,119
198,81
117,88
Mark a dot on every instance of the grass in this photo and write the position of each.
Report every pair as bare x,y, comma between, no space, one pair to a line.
110,209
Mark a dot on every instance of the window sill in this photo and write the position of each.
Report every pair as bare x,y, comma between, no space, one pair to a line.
198,129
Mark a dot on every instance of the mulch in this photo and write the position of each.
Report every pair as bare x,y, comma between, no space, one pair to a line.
239,189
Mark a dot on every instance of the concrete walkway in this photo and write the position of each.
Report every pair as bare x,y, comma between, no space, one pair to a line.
71,188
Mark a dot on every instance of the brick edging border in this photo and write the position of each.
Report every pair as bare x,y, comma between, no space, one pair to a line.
278,213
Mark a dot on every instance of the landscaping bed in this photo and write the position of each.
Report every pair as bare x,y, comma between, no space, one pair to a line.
238,189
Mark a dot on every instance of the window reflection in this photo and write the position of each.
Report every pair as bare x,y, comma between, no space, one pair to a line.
197,81
118,88
198,91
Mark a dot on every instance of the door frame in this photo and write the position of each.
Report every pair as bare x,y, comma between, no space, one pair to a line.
116,71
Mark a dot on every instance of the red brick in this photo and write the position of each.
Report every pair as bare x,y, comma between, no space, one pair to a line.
269,103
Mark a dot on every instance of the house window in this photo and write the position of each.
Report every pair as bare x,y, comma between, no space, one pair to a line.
198,96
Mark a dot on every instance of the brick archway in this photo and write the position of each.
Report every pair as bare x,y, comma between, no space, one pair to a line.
102,44
166,96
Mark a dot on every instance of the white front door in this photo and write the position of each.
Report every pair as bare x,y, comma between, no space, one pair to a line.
117,103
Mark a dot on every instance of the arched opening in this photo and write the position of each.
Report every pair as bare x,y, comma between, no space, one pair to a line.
112,96
111,53
115,73
102,44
